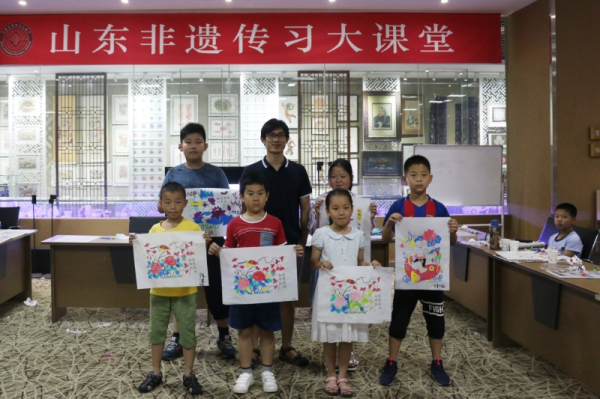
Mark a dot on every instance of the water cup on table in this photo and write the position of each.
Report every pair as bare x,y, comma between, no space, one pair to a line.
552,256
513,246
505,244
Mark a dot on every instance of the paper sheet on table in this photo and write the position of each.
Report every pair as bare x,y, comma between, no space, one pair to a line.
566,273
76,239
527,256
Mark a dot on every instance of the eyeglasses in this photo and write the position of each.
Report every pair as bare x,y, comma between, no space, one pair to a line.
274,136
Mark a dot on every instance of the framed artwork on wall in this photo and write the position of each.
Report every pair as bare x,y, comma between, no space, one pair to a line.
408,150
27,163
27,106
496,115
120,140
4,141
343,109
28,134
120,171
28,189
184,109
292,148
343,139
3,111
288,111
225,128
120,109
222,104
382,163
381,116
411,116
497,139
319,102
320,126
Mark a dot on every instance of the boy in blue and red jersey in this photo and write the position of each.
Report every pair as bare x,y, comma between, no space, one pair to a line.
417,174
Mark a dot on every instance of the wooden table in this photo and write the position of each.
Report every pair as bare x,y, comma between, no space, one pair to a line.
96,274
557,319
15,267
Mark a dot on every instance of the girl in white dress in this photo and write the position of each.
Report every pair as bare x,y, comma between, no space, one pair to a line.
338,245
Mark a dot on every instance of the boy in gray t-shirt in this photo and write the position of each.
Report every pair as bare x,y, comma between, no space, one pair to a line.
195,173
567,241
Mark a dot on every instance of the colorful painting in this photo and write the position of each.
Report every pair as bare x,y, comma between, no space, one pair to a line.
184,109
170,260
288,111
212,209
259,275
360,219
359,294
423,254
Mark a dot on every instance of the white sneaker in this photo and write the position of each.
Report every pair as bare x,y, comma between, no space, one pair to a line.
243,383
269,383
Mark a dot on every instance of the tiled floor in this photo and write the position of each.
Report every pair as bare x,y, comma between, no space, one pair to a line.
95,353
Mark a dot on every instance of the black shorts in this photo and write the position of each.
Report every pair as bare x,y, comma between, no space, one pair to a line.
214,291
433,311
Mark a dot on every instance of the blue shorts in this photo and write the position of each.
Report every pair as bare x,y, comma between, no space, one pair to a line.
266,316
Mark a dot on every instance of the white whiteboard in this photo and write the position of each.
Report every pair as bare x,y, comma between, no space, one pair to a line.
464,175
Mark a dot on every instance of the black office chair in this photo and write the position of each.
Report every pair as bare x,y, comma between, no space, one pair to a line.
589,238
9,217
142,225
548,230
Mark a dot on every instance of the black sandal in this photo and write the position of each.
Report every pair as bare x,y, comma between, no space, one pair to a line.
152,381
256,359
297,360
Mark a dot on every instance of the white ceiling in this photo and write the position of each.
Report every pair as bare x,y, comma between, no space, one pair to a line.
504,7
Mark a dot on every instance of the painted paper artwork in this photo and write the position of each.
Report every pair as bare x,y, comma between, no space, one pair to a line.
360,219
359,294
423,254
170,260
212,209
259,275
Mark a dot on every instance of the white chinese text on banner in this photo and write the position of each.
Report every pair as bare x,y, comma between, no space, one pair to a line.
361,219
212,208
423,254
259,275
360,294
166,260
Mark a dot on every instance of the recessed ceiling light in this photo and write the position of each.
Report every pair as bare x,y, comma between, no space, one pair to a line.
228,1
125,1
22,3
444,1
332,1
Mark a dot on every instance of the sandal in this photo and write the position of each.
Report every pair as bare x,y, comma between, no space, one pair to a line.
346,392
255,357
353,365
332,390
297,360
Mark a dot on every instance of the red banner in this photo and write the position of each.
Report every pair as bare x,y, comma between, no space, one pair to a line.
330,38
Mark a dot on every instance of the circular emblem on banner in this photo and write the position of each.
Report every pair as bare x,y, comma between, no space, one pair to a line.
15,39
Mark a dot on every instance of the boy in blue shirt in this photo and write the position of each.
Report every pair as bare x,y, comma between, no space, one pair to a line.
567,241
417,174
195,173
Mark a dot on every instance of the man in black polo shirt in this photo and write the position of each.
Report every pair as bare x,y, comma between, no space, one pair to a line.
289,200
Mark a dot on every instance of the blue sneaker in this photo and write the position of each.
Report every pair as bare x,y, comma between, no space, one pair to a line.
438,374
172,351
226,348
388,373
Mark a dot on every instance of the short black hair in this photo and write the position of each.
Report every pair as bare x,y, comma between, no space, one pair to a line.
253,178
337,191
568,207
273,124
173,187
192,128
344,164
416,160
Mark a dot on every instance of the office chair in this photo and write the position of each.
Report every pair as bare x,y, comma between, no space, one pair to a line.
548,230
589,238
9,217
142,225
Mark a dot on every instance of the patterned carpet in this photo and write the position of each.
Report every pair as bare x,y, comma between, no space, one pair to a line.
95,353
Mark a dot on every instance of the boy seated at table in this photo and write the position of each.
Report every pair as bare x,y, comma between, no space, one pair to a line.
567,241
